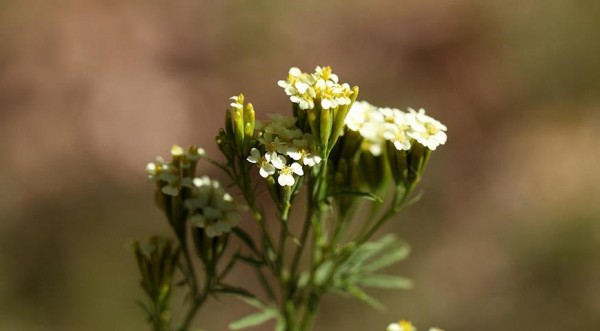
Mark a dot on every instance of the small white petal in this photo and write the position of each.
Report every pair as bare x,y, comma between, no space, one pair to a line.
297,169
285,180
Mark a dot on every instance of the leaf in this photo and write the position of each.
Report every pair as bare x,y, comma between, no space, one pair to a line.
229,266
356,292
368,250
243,293
249,260
245,237
385,282
398,253
253,319
323,273
281,324
358,194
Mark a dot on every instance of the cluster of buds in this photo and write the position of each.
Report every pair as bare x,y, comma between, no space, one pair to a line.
157,260
406,326
184,197
236,139
320,102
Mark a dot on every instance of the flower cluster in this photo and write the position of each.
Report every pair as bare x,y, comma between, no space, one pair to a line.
378,125
283,150
406,326
210,206
207,204
320,103
321,86
170,173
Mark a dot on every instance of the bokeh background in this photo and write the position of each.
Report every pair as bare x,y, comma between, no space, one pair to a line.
507,235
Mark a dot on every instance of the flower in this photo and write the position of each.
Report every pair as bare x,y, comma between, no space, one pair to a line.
321,103
401,326
377,125
282,146
266,168
211,207
426,130
286,177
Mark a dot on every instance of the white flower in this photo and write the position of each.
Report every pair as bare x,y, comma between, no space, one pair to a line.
301,152
279,162
426,130
401,326
238,102
286,177
304,88
211,207
266,168
435,329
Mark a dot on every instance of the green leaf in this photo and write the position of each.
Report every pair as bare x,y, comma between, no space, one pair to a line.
396,254
359,194
249,260
323,273
245,237
243,293
254,319
385,282
356,292
281,324
368,250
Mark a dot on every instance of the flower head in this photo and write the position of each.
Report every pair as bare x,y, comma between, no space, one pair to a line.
282,150
211,207
401,326
426,130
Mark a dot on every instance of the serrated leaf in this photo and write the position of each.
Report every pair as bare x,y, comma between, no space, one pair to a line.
396,254
385,282
253,319
358,194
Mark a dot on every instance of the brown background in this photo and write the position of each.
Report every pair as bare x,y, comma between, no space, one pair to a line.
507,235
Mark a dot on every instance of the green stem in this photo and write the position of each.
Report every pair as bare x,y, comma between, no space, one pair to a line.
196,304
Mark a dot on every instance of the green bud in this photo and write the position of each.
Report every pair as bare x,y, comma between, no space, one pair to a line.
340,117
325,127
397,161
313,120
238,128
417,160
157,258
250,120
228,123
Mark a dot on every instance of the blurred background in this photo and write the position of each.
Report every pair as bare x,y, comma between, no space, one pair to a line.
507,235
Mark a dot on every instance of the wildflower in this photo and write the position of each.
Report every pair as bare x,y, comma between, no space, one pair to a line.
285,148
426,130
211,207
401,326
266,168
322,101
286,173
300,151
369,122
